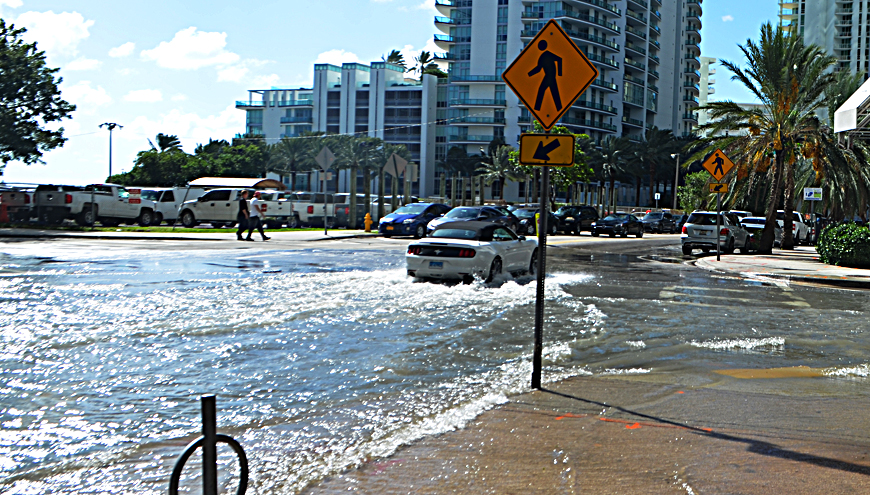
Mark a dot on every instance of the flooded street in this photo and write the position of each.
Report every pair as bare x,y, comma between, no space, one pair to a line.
326,356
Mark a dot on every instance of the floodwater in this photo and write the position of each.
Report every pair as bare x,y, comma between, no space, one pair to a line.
322,359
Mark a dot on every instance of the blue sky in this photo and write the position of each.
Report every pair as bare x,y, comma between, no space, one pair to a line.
177,67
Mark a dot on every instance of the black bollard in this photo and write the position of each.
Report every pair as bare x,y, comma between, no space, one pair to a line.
209,445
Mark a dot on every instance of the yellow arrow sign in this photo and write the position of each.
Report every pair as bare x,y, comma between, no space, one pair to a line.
555,150
549,74
718,188
718,164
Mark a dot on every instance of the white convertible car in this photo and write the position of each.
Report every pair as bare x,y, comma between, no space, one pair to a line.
463,250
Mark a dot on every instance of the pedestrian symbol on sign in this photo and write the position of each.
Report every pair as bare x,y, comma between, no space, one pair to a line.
551,64
719,161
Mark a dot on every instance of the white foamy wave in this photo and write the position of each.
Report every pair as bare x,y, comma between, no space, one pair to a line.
631,371
860,371
747,344
637,344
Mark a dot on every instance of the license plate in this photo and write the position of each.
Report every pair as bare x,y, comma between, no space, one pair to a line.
437,265
703,232
389,227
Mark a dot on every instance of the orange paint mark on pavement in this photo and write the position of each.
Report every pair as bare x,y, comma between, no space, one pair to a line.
569,415
633,427
680,392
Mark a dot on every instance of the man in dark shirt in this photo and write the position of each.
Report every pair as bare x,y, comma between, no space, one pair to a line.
243,216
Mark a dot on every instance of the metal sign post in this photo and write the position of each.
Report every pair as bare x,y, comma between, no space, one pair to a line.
325,159
718,226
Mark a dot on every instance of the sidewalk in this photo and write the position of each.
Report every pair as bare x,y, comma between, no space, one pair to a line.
180,235
800,265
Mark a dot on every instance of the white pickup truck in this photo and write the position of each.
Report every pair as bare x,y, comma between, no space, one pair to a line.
220,207
109,204
169,199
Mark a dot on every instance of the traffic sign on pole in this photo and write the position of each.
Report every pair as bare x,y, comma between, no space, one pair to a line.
718,188
812,194
399,165
549,74
555,150
325,158
718,164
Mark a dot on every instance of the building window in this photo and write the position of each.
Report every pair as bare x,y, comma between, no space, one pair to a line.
501,34
502,15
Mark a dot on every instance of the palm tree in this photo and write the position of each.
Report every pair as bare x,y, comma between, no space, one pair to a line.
611,160
790,80
350,153
498,168
422,62
166,142
395,57
292,155
653,150
382,159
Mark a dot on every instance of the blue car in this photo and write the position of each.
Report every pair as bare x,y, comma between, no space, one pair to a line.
411,219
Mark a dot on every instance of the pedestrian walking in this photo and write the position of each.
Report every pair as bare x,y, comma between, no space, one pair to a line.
257,216
243,216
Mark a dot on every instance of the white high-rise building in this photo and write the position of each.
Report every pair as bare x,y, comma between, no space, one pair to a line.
838,26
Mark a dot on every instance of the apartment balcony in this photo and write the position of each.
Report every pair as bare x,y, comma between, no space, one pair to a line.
690,100
652,87
638,102
693,86
444,41
291,135
656,13
690,116
636,65
445,23
602,60
693,59
693,29
695,3
656,29
299,120
488,121
603,42
630,78
476,79
693,15
634,138
640,3
653,73
589,123
444,6
573,16
600,4
250,104
634,48
634,32
595,106
692,73
447,56
296,103
471,138
634,122
477,102
843,34
640,19
600,83
655,43
655,58
694,46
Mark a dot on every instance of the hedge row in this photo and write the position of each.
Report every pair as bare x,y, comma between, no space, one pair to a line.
845,245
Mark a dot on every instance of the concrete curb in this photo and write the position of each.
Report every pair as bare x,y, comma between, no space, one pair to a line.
841,282
151,237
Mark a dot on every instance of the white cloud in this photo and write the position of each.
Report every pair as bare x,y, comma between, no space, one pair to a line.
11,3
179,97
83,63
191,49
127,71
265,82
87,99
337,57
727,18
123,50
144,96
189,127
425,5
57,34
233,73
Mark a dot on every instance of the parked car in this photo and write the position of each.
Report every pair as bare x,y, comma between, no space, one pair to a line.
168,200
411,219
575,219
699,232
680,220
109,204
15,205
741,214
623,224
527,221
754,226
464,250
52,203
658,221
515,222
799,229
470,213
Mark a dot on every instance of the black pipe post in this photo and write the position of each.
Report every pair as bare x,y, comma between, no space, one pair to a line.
542,267
209,446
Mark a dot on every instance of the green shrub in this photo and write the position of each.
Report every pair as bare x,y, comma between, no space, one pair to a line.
845,245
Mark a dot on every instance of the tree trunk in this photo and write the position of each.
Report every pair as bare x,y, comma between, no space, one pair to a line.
637,183
767,235
351,221
788,241
382,184
394,202
443,187
653,184
367,191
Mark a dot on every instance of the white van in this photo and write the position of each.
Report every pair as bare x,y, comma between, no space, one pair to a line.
168,200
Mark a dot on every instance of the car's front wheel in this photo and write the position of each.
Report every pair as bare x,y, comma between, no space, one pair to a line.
494,270
146,218
687,250
420,232
594,233
639,234
188,219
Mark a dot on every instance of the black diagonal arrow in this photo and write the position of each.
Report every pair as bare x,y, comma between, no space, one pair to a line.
717,187
543,152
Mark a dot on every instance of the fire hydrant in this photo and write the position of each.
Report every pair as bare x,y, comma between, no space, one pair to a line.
368,222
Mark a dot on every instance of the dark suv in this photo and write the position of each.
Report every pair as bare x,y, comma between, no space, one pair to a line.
660,222
574,219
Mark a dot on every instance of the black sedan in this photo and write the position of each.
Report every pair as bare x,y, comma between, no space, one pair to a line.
575,219
527,221
472,213
621,224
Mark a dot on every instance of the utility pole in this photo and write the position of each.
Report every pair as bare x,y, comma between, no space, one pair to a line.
677,180
111,126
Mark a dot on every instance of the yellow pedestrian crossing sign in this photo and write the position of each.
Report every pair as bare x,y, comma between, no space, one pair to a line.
718,164
549,74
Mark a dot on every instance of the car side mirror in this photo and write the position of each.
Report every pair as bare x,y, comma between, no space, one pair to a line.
522,237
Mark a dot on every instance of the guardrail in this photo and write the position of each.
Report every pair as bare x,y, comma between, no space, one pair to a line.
208,441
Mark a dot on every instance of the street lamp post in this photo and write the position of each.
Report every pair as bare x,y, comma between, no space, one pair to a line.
111,126
676,178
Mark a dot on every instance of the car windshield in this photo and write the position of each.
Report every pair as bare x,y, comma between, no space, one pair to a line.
455,234
654,216
462,213
621,216
525,213
411,209
702,219
565,210
150,195
754,221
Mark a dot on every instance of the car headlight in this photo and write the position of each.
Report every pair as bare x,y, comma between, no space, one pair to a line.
410,220
569,219
594,224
